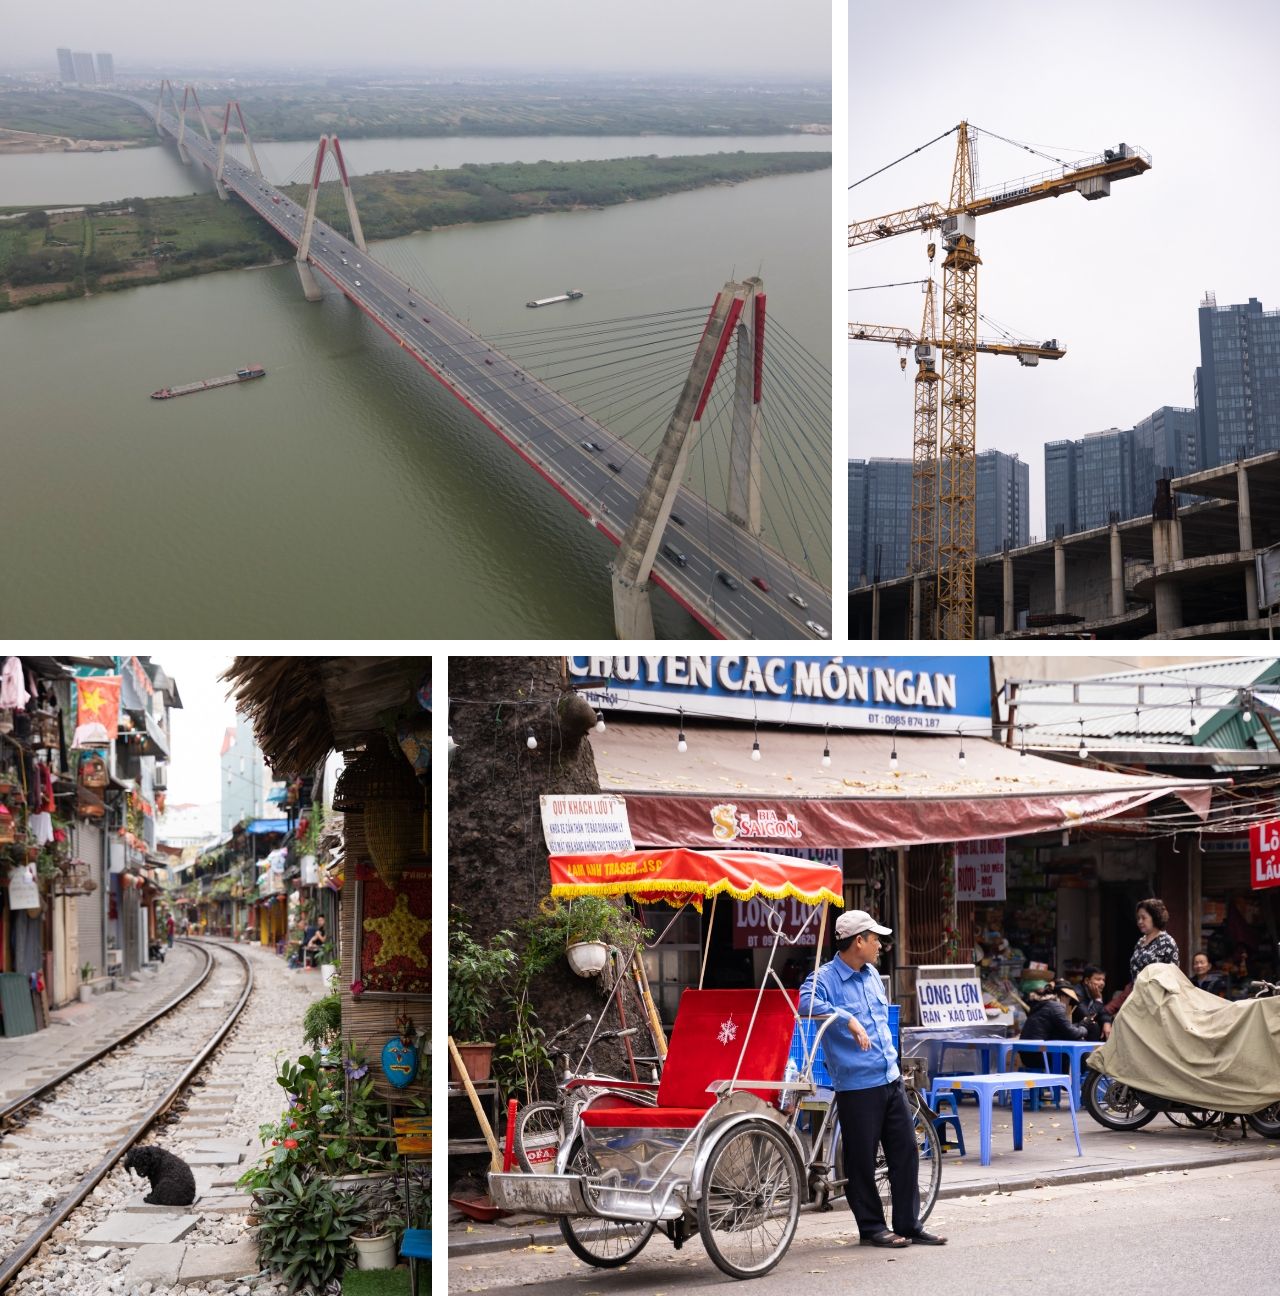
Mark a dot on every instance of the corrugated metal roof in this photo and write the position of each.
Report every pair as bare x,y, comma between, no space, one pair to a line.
1052,710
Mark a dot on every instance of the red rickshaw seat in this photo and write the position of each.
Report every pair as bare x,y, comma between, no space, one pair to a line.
707,1039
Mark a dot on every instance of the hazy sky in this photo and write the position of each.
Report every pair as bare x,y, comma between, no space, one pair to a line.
724,37
1117,281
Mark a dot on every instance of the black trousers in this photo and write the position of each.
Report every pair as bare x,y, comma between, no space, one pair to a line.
871,1118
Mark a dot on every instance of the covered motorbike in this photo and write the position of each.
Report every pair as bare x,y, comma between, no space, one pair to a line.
1180,1050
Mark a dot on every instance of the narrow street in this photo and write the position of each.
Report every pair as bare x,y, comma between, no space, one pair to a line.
114,1243
1179,1231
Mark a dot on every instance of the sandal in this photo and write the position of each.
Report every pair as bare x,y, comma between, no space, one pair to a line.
886,1239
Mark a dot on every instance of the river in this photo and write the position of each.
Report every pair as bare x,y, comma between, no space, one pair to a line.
346,495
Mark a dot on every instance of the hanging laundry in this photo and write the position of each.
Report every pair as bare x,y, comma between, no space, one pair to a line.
13,692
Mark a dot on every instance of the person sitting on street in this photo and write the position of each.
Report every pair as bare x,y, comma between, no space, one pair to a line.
1203,977
1050,1019
1093,1013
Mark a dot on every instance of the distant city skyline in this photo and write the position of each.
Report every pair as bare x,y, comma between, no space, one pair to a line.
746,38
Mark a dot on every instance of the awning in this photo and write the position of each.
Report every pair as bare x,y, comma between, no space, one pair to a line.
715,795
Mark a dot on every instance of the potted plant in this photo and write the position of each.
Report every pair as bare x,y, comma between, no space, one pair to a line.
477,974
86,975
381,1219
325,956
587,927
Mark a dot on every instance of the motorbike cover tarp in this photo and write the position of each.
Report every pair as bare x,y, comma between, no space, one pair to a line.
1174,1041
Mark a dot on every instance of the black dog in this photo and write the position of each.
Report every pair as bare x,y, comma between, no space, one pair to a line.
172,1183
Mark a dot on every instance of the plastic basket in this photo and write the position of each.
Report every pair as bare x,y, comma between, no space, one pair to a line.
803,1036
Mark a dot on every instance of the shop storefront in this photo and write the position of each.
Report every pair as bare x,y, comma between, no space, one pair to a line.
890,765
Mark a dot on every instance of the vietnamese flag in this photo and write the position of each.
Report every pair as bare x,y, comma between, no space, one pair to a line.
98,701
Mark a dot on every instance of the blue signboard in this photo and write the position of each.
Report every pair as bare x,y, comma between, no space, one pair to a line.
911,694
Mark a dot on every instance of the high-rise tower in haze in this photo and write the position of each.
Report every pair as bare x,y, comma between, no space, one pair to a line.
1238,381
1003,501
106,70
84,68
66,66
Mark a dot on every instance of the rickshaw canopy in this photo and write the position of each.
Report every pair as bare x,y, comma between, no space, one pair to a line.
681,877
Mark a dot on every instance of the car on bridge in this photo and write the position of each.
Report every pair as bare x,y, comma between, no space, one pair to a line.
593,446
817,629
681,560
726,580
760,583
797,600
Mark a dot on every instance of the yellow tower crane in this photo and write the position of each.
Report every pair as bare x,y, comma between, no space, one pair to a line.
958,450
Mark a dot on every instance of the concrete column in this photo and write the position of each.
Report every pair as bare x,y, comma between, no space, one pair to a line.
1244,517
1166,548
1006,571
1117,573
875,611
745,468
917,592
1059,577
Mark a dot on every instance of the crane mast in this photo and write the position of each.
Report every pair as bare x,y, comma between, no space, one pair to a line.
924,443
957,537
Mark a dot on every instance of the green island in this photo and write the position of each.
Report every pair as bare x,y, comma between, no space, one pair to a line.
366,109
53,256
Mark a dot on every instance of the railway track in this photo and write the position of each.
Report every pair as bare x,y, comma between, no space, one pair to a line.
84,1109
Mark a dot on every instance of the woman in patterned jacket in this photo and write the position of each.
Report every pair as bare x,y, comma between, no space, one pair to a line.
1155,945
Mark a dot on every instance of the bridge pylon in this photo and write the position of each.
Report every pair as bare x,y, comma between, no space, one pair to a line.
632,614
310,287
744,446
189,92
222,146
160,104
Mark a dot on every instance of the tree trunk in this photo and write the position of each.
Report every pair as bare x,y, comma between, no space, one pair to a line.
498,872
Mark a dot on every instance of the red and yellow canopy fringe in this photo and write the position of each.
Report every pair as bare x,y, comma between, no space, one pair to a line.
681,877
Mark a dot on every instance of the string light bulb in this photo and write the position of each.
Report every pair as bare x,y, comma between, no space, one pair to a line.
530,741
755,744
893,754
599,722
681,745
826,749
961,757
1022,755
1083,753
1246,702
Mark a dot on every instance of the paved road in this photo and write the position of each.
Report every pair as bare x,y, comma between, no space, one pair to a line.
1174,1232
596,471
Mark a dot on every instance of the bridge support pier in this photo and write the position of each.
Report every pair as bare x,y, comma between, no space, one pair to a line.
633,618
310,284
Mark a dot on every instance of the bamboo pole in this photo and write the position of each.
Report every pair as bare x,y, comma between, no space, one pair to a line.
706,951
495,1154
651,1009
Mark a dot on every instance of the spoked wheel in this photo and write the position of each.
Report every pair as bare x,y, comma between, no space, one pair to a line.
538,1137
1267,1121
1194,1119
1115,1105
600,1242
750,1201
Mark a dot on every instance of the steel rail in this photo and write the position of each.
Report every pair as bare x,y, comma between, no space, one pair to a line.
16,1260
22,1100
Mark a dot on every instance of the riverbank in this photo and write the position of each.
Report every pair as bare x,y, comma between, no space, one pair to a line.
57,255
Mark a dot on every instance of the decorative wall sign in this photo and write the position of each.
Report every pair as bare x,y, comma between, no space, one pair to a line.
399,1062
393,934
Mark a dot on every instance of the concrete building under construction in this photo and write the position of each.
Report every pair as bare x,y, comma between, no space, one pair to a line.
1185,570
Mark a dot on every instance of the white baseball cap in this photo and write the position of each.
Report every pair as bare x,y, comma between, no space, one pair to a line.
857,921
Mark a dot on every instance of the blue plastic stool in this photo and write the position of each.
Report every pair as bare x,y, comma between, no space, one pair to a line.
938,1101
1017,1084
415,1246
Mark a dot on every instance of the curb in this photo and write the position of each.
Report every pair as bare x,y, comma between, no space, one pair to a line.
549,1235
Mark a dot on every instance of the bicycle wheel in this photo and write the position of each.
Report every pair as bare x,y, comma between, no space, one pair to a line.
538,1136
1192,1120
600,1242
750,1201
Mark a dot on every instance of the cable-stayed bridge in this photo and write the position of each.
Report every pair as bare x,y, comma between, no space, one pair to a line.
774,464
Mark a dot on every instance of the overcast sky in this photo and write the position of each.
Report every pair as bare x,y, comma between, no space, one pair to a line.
1117,281
723,37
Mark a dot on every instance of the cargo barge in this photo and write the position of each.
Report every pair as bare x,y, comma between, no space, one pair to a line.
208,384
571,295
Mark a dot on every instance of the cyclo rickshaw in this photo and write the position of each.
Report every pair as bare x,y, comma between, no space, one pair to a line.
732,1140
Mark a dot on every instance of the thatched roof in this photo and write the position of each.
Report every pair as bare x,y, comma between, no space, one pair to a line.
302,708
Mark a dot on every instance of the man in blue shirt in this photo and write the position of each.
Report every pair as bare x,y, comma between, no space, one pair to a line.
870,1097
